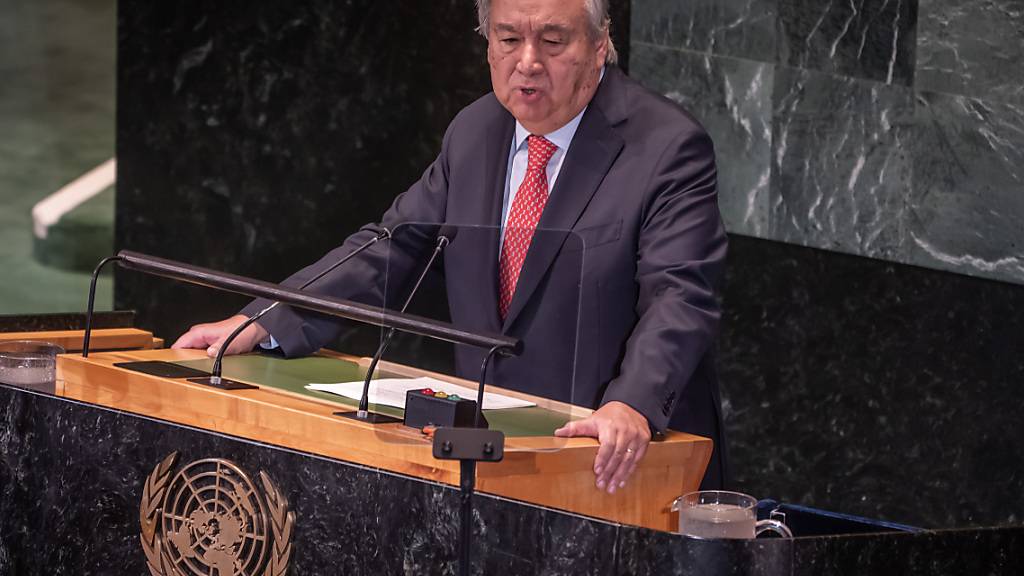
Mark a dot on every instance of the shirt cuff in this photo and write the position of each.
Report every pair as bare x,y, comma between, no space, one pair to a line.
269,344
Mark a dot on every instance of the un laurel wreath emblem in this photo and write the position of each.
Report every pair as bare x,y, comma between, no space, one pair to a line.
210,519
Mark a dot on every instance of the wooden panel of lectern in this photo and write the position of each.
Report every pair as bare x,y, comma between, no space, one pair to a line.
543,470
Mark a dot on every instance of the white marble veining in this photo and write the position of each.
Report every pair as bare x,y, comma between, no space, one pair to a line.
731,97
896,127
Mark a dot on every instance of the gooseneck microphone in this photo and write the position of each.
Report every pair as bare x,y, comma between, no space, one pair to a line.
215,378
444,237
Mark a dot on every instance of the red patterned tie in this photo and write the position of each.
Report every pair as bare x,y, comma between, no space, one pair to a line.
523,217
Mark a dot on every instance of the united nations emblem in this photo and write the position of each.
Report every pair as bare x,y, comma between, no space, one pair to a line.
209,519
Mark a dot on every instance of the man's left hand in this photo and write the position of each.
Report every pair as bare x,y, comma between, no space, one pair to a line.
624,435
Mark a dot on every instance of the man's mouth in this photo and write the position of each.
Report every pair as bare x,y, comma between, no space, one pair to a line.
528,91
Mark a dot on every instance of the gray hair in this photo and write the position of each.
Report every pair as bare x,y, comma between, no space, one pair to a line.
597,11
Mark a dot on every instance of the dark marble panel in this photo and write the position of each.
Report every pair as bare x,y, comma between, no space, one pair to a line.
944,552
620,11
984,551
254,136
732,99
966,205
871,39
738,28
872,388
40,322
658,553
840,180
71,478
972,48
542,541
72,473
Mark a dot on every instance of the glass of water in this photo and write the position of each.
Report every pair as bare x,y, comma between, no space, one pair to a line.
721,514
29,364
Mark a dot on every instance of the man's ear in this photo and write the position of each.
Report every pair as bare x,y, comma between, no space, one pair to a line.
602,47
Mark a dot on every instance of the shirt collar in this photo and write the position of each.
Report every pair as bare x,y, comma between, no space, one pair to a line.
561,137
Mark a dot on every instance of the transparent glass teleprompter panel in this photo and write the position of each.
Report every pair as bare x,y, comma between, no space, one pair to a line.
543,314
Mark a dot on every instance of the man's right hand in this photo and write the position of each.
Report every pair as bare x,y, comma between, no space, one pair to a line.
211,336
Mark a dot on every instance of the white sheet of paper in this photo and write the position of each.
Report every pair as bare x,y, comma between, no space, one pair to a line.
391,392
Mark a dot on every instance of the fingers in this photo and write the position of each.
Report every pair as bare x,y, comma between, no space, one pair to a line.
632,452
197,336
215,347
623,435
212,336
623,444
245,341
604,462
630,447
585,427
183,341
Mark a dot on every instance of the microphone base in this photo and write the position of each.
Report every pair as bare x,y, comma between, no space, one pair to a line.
369,417
222,383
162,369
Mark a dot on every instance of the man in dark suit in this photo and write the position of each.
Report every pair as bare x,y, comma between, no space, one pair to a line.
620,314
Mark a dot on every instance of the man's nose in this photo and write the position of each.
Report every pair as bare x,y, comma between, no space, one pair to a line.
529,60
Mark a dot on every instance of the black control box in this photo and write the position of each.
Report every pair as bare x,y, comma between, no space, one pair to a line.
429,408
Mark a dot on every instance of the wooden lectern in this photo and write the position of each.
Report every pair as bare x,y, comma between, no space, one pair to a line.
538,468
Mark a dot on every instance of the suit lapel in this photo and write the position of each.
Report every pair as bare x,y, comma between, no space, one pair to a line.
593,150
488,213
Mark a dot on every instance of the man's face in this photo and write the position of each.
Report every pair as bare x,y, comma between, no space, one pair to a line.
545,62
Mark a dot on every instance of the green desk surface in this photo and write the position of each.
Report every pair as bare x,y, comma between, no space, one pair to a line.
293,375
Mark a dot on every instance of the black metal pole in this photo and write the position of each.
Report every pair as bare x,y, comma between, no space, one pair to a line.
467,482
92,302
317,303
364,402
468,446
478,420
215,373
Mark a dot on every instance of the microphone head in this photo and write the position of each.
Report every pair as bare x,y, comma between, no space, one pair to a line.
448,231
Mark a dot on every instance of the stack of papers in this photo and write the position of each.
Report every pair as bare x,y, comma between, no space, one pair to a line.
391,392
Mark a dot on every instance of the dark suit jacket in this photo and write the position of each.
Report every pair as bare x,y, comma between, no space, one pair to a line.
623,308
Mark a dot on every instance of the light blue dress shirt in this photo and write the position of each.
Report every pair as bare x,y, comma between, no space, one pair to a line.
519,156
